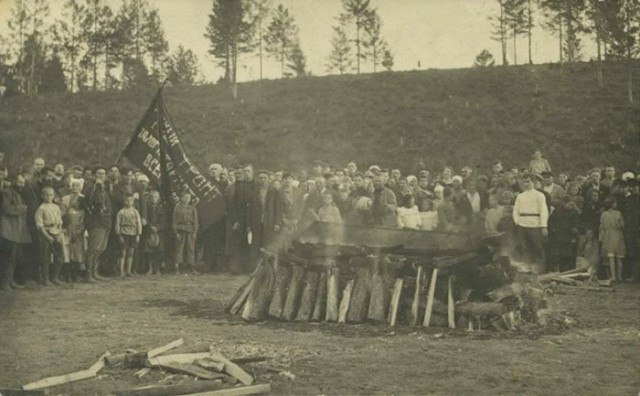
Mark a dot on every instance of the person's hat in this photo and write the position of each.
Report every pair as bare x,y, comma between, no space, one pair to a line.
374,168
368,174
458,178
424,173
143,178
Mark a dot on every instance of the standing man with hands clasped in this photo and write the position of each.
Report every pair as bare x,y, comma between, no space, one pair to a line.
530,215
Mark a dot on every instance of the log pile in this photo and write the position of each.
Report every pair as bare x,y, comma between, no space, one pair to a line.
473,290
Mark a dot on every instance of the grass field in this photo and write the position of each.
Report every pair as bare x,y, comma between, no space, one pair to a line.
52,331
457,117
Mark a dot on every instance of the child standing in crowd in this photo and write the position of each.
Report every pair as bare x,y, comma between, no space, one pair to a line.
612,238
185,227
408,214
428,216
128,228
50,238
72,208
329,212
153,234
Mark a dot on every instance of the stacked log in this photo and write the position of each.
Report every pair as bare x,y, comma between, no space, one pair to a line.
470,291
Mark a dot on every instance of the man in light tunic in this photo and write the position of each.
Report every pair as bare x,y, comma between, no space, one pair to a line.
530,215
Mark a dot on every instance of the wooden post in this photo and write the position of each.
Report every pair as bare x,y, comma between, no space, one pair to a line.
237,305
360,297
260,295
416,298
291,305
451,304
378,299
344,304
321,298
432,290
395,301
332,295
308,297
283,276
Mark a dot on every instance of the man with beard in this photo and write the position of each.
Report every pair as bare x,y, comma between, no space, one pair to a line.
13,230
45,179
383,209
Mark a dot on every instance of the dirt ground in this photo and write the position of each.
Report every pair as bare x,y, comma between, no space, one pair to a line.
52,331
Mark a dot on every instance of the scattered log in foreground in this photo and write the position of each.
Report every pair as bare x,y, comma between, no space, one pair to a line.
168,390
71,377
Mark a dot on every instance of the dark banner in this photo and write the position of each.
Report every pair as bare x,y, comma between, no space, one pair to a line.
156,150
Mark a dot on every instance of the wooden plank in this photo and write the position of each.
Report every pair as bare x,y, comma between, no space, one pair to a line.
210,364
99,365
60,380
415,305
378,299
430,295
283,277
157,351
260,295
395,301
344,304
20,392
192,369
237,305
333,279
293,295
320,305
177,358
359,304
308,297
233,369
142,372
187,388
238,391
451,304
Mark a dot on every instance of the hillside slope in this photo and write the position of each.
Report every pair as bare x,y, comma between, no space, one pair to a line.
457,117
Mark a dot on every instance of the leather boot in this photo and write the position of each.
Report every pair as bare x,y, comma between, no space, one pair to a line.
88,272
95,273
55,274
44,274
11,269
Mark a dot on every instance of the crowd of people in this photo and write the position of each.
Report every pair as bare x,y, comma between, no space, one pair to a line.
97,223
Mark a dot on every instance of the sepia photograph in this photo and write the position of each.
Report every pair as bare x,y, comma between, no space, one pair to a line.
319,197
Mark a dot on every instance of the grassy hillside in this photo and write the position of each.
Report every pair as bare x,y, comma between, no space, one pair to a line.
458,117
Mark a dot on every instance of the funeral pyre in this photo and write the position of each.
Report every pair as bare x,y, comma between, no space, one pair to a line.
351,274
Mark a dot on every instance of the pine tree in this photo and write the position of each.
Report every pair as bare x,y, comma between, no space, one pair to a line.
93,38
341,58
155,43
516,20
484,59
373,41
387,59
297,61
182,67
566,18
68,38
356,12
136,74
259,11
19,30
53,79
500,33
230,32
281,36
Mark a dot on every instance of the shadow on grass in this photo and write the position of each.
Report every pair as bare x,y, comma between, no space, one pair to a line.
212,310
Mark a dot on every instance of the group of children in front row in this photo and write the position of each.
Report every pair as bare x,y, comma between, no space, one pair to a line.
61,243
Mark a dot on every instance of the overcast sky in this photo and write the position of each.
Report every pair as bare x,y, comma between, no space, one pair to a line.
433,33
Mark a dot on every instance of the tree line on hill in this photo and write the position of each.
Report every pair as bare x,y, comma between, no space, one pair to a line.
90,47
613,24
